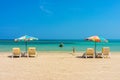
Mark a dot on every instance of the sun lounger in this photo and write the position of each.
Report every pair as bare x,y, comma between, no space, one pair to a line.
32,51
90,53
105,52
16,52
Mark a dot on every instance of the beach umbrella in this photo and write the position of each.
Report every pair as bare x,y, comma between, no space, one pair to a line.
26,39
96,39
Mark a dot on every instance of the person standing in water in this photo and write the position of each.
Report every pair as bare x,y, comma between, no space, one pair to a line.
61,45
73,53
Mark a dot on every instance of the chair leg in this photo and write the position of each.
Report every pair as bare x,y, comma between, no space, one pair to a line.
12,56
85,56
28,55
102,56
94,56
109,55
20,56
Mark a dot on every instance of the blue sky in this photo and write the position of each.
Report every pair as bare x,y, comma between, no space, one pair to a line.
60,19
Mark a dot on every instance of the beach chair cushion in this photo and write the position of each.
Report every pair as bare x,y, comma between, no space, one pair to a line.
90,51
16,51
105,50
32,51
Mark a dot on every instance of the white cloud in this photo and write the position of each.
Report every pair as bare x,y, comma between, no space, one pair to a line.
45,10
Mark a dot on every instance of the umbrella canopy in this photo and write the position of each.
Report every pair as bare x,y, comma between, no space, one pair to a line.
26,38
96,39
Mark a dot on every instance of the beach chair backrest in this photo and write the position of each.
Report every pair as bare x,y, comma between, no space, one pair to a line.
106,50
90,51
16,51
32,51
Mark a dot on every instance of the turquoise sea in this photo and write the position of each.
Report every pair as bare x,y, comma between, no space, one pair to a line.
53,45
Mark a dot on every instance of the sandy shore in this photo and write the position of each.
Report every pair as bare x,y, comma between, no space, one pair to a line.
56,66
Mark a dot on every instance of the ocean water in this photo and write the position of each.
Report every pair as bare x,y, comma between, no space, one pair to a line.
53,45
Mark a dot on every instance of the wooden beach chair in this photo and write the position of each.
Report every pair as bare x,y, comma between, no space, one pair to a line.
32,52
16,52
105,52
90,53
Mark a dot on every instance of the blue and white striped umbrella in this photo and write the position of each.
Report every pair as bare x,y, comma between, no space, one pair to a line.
26,38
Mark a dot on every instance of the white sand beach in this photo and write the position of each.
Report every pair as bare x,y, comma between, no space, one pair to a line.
56,66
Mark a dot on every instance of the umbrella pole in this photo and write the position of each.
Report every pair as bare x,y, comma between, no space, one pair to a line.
95,49
26,46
